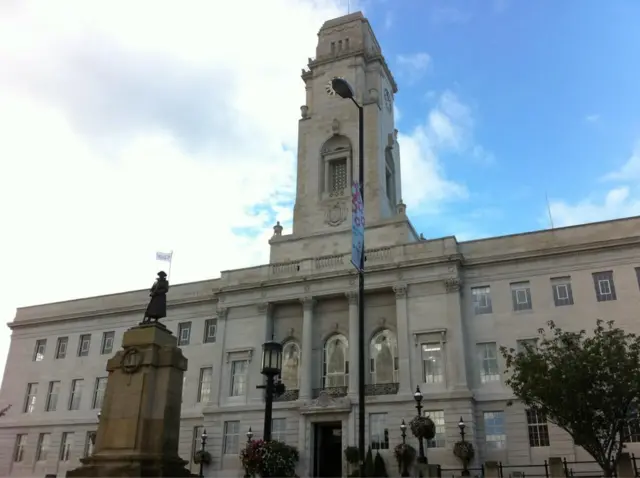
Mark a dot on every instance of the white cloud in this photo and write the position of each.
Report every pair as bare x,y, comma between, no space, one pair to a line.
413,66
616,203
447,129
125,132
630,170
592,118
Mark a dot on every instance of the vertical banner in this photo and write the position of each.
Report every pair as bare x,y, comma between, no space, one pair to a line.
357,225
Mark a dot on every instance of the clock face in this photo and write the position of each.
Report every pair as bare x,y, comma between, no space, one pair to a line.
388,101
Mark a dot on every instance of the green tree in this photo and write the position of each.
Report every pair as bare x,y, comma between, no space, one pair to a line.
588,385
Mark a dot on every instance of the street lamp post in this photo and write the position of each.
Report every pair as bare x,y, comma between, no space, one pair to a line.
422,459
403,430
461,426
249,435
343,89
203,442
271,367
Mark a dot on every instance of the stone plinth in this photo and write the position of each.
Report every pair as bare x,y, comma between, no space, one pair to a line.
140,417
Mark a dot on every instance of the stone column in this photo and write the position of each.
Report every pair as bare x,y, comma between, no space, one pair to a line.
404,346
219,361
354,333
456,354
254,377
306,377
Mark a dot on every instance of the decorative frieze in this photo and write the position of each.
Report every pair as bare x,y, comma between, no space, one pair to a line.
400,290
452,284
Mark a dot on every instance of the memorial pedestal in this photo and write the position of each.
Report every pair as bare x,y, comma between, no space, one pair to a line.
140,417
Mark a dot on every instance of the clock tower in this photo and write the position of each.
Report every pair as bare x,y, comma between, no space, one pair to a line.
328,148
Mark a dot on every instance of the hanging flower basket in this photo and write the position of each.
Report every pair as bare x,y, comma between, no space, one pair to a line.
202,457
423,427
269,459
464,451
405,456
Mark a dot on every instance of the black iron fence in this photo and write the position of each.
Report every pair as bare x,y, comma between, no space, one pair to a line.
524,471
458,472
584,469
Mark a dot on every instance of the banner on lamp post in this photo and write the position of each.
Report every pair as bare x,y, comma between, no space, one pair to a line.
357,225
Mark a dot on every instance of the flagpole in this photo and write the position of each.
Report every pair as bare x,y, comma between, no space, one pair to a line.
549,209
170,263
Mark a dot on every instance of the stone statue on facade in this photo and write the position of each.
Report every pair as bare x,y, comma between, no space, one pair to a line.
157,308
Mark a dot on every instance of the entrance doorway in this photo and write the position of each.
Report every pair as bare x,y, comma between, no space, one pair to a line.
327,457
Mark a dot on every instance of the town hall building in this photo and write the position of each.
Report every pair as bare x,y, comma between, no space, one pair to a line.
436,313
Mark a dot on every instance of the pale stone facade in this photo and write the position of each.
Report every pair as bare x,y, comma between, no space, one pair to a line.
435,312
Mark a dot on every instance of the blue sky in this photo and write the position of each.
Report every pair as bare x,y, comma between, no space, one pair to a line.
126,133
553,89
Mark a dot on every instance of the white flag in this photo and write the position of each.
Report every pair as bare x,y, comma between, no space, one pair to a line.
164,256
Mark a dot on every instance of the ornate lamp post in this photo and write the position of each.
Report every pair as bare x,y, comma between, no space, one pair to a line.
403,430
203,442
417,396
271,367
461,426
342,88
249,435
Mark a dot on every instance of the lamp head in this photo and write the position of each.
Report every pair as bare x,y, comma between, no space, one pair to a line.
249,434
417,395
403,426
341,87
461,424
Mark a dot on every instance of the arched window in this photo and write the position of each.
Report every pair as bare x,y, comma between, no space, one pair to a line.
336,167
290,365
384,358
336,362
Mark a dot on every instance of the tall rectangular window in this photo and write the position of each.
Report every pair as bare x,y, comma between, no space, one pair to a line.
538,428
238,378
433,363
378,431
204,384
42,449
231,437
196,443
481,300
522,345
638,275
521,296
21,444
89,443
562,292
338,176
279,429
76,394
488,362
51,405
84,344
40,349
66,445
494,433
439,440
98,392
184,333
61,347
604,285
106,347
210,329
30,399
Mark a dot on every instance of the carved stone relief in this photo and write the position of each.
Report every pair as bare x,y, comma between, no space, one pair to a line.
452,284
352,297
400,291
336,214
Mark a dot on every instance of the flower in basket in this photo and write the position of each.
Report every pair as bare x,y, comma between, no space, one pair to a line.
423,427
202,456
269,459
404,454
464,451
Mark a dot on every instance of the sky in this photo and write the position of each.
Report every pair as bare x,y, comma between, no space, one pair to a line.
128,128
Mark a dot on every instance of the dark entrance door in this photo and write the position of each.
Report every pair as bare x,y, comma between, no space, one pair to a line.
327,461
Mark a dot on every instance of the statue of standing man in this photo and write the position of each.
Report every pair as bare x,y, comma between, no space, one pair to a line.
157,308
